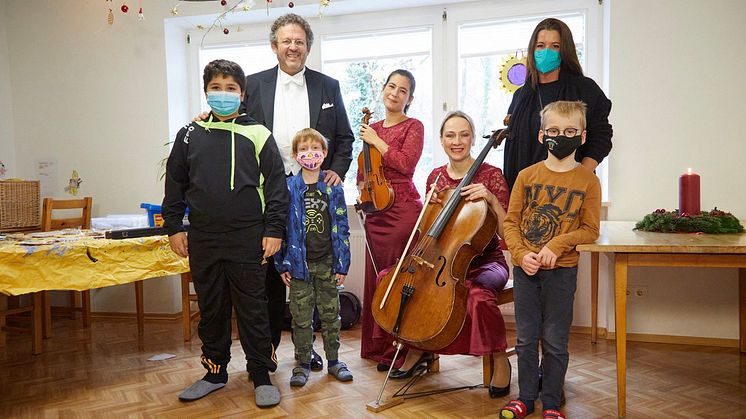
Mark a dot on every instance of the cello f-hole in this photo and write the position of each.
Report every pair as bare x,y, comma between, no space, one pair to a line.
440,272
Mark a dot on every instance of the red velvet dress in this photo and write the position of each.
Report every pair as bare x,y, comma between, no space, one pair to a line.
387,232
484,329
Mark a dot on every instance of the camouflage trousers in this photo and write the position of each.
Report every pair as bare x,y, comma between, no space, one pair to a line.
319,291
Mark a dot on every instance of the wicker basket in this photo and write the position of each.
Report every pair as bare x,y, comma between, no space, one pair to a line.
19,205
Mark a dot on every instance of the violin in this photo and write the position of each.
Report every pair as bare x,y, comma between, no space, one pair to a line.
376,194
422,301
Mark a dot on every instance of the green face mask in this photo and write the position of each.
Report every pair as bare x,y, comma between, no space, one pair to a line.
547,60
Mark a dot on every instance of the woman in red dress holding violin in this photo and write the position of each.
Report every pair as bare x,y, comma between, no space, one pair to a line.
399,139
483,332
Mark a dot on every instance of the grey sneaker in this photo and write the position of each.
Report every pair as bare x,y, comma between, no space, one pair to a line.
300,377
266,396
199,390
340,371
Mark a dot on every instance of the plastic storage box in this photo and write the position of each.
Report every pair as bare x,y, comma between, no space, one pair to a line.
154,214
155,219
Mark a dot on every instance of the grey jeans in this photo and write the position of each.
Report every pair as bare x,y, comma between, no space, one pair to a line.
543,314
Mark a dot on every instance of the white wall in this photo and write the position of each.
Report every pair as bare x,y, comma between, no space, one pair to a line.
93,97
673,76
7,143
675,79
676,83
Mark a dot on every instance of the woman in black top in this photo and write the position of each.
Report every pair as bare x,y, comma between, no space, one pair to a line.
554,73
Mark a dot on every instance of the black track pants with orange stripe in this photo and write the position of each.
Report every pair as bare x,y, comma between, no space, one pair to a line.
227,274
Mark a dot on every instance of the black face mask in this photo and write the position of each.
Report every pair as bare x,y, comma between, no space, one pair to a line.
561,146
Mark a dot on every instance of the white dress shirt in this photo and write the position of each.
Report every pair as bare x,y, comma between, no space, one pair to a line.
291,114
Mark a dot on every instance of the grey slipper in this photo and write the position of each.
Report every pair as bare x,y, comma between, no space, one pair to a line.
300,377
199,390
340,372
266,396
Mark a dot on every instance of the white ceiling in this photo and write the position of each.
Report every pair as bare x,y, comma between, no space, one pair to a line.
204,12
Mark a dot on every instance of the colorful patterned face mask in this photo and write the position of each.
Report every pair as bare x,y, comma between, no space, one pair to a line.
310,159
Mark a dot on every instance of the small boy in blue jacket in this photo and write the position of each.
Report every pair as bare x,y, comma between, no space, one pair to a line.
315,257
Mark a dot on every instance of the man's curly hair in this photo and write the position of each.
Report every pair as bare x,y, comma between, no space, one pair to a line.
291,19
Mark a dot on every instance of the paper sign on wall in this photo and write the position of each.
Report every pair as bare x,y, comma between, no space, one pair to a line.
46,172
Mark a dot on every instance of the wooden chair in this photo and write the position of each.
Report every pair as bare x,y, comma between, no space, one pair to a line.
187,316
187,296
49,223
35,308
39,308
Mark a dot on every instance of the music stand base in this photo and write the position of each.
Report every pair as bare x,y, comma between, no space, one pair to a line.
376,406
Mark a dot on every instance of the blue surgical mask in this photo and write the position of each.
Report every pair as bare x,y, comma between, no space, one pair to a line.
547,60
223,103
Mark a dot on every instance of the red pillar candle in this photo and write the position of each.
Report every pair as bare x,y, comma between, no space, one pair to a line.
689,193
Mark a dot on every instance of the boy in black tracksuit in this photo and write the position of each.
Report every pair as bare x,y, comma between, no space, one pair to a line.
228,171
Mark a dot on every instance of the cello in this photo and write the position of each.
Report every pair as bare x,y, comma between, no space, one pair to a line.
376,193
422,301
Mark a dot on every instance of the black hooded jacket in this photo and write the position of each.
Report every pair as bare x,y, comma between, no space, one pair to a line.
229,174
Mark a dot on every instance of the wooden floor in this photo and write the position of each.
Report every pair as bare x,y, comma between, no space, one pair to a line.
103,372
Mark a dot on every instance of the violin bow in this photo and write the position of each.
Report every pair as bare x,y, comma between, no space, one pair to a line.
409,242
361,216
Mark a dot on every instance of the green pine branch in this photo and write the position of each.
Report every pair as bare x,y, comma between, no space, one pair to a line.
711,222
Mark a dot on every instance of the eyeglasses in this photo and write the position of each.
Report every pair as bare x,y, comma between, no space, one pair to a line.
568,132
300,43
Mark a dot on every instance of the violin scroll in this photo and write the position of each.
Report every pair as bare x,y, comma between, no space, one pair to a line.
366,115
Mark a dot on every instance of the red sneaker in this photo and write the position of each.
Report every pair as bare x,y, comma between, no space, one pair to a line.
515,409
553,414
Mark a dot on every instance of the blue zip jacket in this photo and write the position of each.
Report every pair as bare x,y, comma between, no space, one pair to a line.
292,255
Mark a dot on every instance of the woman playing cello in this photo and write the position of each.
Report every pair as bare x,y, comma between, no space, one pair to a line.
484,330
399,139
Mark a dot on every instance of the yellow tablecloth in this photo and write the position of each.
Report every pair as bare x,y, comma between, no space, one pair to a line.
85,263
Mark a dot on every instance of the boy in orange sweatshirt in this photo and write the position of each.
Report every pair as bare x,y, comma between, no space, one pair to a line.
554,206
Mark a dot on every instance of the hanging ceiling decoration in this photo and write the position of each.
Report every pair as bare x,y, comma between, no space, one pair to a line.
219,22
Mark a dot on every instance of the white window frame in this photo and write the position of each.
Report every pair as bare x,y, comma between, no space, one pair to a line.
444,48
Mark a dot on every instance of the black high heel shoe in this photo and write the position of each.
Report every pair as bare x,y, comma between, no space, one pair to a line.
498,392
381,367
426,358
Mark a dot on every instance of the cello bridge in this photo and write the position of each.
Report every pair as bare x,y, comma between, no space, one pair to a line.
421,261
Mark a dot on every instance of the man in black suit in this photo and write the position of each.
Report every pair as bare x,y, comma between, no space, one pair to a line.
286,99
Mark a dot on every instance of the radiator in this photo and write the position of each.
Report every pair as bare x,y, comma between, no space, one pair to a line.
356,276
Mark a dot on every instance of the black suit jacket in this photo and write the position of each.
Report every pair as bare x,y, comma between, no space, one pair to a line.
327,112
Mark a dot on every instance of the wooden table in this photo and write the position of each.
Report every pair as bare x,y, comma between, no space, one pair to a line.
639,248
82,264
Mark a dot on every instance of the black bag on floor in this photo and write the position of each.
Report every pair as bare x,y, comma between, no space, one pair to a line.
349,310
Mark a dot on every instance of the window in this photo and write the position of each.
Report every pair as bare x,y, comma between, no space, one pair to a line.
251,57
483,47
455,54
361,62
